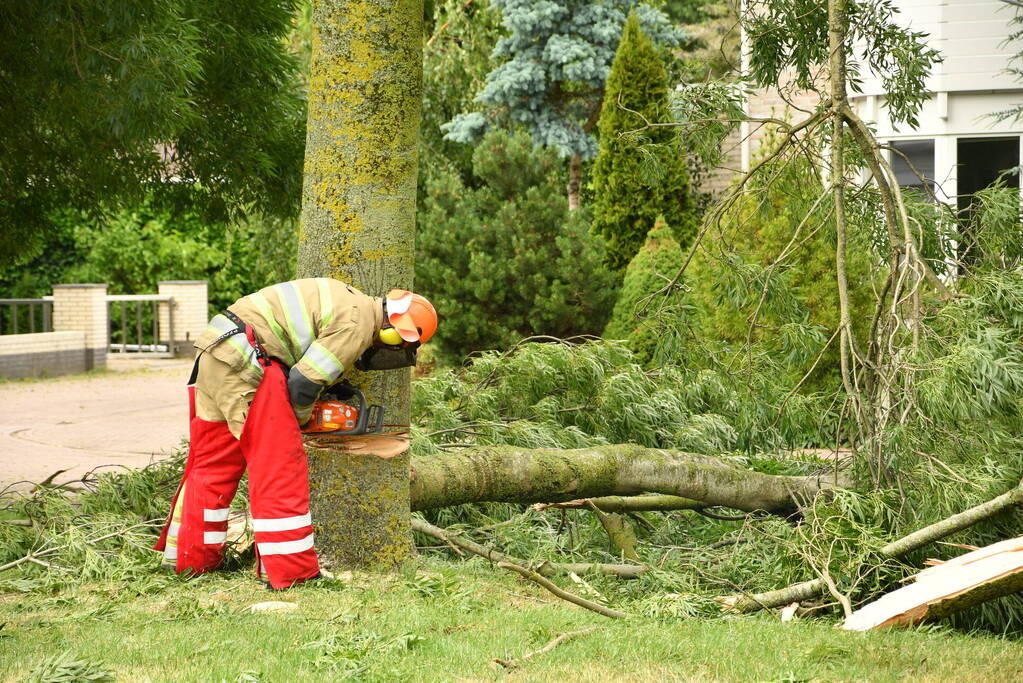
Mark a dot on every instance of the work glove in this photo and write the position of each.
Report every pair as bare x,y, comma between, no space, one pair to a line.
342,391
387,357
302,392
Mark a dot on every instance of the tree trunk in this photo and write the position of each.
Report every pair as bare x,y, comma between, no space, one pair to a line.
525,475
358,225
575,181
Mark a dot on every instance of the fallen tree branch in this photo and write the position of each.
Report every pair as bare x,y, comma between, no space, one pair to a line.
563,594
525,475
620,533
624,571
31,557
35,556
514,663
806,590
648,503
723,518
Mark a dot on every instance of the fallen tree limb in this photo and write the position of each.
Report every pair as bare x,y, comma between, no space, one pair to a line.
31,557
35,556
526,475
625,571
648,503
514,663
563,594
619,532
806,590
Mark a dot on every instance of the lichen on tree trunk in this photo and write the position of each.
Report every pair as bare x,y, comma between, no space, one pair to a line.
372,496
530,475
358,215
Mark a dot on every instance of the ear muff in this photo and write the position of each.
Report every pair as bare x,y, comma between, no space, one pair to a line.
390,336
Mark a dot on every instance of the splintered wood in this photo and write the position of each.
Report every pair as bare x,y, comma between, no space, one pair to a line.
946,588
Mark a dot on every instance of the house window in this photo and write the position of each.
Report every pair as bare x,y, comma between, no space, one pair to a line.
913,164
981,162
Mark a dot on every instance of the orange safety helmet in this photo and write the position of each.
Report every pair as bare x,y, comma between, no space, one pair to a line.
411,315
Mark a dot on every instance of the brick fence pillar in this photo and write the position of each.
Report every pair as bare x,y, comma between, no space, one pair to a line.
83,308
189,313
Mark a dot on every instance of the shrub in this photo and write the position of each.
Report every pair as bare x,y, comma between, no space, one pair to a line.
635,315
770,265
507,260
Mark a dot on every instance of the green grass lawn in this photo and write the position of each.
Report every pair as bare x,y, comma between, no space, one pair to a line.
448,621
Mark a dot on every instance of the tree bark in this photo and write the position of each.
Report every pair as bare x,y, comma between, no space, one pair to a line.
575,181
358,225
524,475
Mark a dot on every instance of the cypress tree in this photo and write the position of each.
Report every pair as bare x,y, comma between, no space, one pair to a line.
638,177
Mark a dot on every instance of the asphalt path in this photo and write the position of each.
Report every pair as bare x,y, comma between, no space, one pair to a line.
129,416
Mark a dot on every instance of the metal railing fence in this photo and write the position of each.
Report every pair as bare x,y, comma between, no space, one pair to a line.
26,316
135,328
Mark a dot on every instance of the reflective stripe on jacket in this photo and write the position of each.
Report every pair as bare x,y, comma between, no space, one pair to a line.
318,326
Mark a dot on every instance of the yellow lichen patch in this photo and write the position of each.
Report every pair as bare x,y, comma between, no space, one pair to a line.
377,254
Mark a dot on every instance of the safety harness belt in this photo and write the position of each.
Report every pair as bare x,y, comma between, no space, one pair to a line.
243,328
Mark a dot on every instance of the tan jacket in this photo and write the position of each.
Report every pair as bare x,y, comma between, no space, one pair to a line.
317,326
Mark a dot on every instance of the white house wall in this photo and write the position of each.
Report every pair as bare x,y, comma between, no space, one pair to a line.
954,113
971,36
967,87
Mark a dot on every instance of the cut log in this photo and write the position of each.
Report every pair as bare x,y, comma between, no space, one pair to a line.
527,475
947,588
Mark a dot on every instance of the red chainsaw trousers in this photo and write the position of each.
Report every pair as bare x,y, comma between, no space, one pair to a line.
271,448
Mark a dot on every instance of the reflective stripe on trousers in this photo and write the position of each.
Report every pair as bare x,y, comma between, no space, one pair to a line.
271,448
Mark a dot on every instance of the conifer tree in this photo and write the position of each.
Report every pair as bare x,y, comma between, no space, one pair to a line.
638,177
558,53
659,258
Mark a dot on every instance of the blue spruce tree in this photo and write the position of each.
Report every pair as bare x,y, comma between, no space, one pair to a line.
555,60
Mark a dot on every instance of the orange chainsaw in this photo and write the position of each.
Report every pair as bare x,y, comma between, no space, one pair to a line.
335,414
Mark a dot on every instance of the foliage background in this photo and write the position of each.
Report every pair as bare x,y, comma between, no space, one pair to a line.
107,102
133,249
506,259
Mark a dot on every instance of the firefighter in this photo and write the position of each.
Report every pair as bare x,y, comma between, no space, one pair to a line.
261,365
